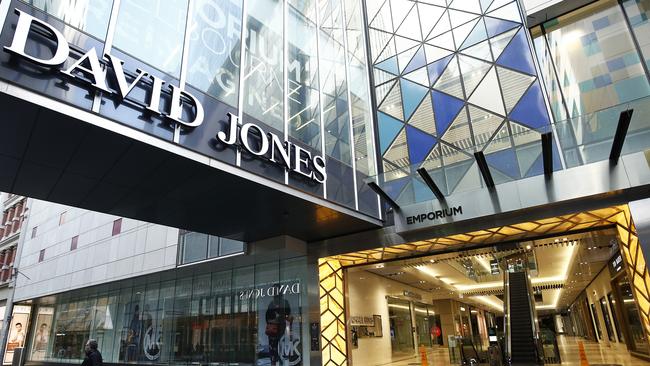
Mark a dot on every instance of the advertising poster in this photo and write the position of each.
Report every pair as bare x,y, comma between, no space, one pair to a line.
42,330
17,331
279,323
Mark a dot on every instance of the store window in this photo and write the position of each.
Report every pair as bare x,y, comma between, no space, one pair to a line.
90,16
608,322
617,325
153,31
401,335
630,312
248,315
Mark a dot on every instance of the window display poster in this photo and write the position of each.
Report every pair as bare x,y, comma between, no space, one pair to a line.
42,330
280,323
17,331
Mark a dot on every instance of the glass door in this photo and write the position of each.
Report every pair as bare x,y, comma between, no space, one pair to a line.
630,313
617,325
422,324
401,335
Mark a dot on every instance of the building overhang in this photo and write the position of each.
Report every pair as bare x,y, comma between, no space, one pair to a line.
59,153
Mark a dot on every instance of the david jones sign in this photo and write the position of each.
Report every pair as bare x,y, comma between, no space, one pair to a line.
88,69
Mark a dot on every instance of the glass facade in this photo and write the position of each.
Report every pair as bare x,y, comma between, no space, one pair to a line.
251,315
196,247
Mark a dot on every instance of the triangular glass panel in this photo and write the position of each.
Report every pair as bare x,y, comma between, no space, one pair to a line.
405,57
481,51
513,85
441,27
497,4
528,156
412,95
392,105
421,192
410,27
389,65
383,20
473,71
477,35
484,125
500,140
461,33
500,42
458,18
458,134
437,68
471,6
445,108
381,76
531,109
509,12
488,94
389,127
423,117
485,4
398,153
402,44
407,197
419,76
378,41
457,171
382,90
400,9
449,82
433,163
496,26
373,7
518,55
419,60
429,17
434,53
445,40
435,2
394,188
420,144
452,155
505,161
388,52
522,135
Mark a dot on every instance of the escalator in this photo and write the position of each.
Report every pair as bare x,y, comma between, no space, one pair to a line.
522,345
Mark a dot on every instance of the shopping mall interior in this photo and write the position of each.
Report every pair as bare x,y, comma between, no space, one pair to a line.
569,292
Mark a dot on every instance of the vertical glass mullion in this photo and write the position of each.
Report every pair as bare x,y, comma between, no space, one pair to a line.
320,90
242,68
186,49
351,127
285,77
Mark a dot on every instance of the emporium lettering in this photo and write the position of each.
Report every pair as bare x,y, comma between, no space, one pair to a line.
270,146
88,69
434,215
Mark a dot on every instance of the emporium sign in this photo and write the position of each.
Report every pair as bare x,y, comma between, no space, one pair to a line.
88,70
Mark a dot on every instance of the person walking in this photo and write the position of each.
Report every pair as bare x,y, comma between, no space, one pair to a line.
93,356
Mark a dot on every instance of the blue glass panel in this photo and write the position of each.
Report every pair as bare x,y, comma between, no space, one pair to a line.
497,26
389,65
531,109
389,127
412,95
445,109
419,60
537,168
437,68
485,4
421,191
394,187
419,143
504,161
517,55
477,35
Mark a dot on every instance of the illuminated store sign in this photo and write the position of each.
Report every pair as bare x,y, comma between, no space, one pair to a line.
434,215
185,109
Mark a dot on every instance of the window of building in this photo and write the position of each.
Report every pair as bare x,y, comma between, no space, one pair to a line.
34,230
89,16
117,226
41,255
62,218
153,31
73,242
197,246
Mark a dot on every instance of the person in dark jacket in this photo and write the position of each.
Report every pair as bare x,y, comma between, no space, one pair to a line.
93,356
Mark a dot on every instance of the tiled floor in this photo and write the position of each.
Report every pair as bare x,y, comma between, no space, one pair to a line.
597,354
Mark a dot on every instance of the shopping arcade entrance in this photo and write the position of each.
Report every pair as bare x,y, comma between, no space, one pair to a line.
333,270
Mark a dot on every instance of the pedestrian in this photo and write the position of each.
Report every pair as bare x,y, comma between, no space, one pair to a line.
93,356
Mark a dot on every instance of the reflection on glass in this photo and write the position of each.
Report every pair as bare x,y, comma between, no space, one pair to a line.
334,85
401,337
608,323
302,73
263,78
638,342
152,31
215,36
617,325
198,246
638,13
89,16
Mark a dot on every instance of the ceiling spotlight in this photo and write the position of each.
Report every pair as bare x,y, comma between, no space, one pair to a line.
528,247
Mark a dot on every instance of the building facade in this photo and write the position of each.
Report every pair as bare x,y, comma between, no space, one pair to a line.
258,182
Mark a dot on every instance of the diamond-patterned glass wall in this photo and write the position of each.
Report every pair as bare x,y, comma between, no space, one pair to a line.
452,77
